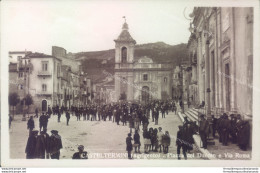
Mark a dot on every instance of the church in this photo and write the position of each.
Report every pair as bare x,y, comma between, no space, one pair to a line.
139,79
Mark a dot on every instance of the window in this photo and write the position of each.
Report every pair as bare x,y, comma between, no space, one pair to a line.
20,86
44,87
19,58
124,54
165,79
145,77
44,65
20,74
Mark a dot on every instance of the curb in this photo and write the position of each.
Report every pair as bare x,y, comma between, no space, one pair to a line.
197,140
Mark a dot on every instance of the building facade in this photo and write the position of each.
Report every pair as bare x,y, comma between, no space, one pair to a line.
139,79
51,80
221,58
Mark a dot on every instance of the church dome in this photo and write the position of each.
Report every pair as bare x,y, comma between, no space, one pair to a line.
125,26
125,35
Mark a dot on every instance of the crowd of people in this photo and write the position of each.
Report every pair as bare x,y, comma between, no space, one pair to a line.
138,118
232,129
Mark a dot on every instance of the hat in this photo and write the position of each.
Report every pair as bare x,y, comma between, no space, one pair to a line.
129,134
81,147
54,131
185,118
35,131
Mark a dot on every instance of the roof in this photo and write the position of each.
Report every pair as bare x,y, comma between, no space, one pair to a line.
125,35
39,55
20,52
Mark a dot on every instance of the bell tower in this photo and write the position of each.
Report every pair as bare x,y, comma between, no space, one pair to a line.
124,58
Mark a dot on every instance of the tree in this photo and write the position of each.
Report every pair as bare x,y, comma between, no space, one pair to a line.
28,101
13,100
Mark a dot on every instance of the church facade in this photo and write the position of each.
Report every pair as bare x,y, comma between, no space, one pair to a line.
139,79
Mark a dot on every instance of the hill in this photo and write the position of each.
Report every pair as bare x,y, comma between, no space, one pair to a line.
95,62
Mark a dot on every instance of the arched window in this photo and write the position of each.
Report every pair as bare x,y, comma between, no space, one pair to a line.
124,54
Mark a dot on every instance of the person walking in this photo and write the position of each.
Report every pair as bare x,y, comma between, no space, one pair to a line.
10,121
36,112
180,143
129,146
59,115
67,117
41,121
30,124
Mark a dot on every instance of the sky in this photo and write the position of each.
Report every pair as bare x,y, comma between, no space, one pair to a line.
90,25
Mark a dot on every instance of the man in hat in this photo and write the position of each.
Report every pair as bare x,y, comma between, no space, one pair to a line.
41,121
30,124
81,154
129,146
180,143
31,145
49,111
42,145
203,130
55,145
186,121
225,130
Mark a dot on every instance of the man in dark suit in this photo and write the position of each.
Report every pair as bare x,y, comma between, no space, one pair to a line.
203,130
31,145
42,145
55,145
30,124
225,130
180,143
67,117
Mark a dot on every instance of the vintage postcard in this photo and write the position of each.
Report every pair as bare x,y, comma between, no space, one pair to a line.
129,83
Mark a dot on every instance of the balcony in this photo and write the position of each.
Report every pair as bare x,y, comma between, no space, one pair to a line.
44,93
44,73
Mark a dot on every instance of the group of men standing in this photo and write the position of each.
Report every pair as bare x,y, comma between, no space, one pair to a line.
43,146
232,129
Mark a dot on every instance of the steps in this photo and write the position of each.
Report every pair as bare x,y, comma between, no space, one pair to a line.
193,115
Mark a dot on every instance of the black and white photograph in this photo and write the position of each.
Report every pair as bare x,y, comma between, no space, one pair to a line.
137,82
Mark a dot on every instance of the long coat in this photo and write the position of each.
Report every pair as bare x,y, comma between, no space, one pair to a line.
129,146
166,140
243,133
42,146
30,147
55,143
30,124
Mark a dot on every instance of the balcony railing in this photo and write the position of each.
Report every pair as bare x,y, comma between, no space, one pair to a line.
44,93
44,73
